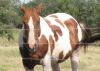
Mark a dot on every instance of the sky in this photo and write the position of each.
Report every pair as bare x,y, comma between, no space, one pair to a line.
25,1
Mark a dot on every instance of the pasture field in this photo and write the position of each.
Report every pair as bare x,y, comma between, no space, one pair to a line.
10,60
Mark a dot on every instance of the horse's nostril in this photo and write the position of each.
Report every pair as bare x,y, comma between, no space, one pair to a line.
31,46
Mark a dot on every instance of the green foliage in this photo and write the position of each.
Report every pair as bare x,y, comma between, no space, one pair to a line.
8,18
87,11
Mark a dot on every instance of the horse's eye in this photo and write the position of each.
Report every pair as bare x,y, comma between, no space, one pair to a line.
38,34
38,24
25,19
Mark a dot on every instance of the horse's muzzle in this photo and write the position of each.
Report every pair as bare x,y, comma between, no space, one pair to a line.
33,48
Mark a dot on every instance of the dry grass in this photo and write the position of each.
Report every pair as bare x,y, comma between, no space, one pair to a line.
10,60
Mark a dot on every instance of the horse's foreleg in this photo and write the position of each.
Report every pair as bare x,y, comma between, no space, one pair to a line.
47,63
55,66
74,60
26,69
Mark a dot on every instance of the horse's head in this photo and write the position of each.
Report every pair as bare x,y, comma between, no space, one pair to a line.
31,24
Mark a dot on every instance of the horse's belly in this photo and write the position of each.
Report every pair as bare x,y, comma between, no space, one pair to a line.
62,46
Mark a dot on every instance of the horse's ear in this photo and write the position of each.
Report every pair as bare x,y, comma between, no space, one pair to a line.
22,8
39,8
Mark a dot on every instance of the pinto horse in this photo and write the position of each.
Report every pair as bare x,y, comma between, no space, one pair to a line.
50,40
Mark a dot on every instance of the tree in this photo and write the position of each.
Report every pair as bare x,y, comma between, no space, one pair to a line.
8,18
87,11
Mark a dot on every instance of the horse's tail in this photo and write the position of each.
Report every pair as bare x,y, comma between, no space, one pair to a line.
86,33
88,37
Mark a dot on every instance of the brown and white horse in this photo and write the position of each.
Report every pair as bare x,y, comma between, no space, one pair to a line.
49,40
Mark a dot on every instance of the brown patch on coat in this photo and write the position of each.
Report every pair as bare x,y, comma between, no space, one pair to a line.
55,29
43,45
54,16
61,59
55,35
52,44
61,56
71,24
68,55
57,20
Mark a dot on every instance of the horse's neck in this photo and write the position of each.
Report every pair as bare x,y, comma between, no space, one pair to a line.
45,29
43,23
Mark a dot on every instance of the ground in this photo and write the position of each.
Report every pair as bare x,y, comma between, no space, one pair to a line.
10,60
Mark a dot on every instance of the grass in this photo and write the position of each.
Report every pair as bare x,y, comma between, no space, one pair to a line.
10,60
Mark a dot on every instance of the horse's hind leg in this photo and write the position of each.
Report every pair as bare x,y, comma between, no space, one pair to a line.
74,60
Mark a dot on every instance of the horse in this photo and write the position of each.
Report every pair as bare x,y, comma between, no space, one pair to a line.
50,40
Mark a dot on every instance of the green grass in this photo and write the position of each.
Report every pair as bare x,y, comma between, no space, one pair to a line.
10,60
